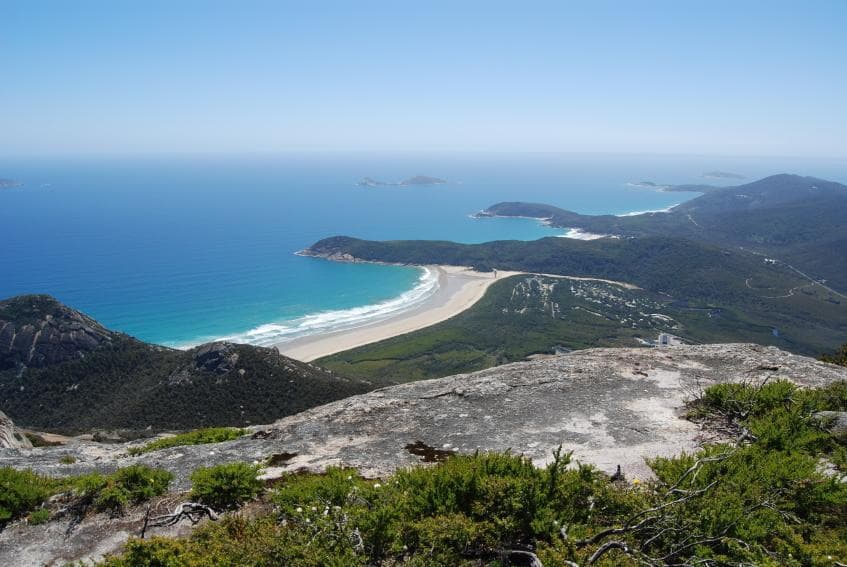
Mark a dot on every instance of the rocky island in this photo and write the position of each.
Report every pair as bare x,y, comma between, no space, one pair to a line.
9,183
723,175
419,180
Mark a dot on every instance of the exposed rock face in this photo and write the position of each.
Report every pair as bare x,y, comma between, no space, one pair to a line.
37,330
609,406
10,437
835,422
218,357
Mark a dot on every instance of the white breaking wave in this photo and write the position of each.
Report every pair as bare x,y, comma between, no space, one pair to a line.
336,320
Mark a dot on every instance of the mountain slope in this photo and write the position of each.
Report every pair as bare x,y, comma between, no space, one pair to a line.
527,315
799,220
63,371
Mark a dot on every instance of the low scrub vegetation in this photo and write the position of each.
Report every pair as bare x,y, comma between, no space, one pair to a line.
839,357
20,492
225,486
198,437
25,492
772,494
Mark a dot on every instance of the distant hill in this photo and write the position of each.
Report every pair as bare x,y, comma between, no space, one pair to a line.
62,371
799,220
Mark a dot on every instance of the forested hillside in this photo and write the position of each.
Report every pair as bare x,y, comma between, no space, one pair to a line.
118,382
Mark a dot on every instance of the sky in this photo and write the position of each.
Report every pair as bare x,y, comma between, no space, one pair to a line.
739,77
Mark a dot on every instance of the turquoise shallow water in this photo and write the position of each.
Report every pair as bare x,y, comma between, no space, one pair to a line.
180,250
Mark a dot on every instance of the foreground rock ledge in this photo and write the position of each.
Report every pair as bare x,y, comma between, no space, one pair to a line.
609,406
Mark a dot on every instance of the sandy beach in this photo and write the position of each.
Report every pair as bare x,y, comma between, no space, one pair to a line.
458,289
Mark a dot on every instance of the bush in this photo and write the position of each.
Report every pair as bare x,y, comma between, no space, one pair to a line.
67,459
153,552
20,492
131,485
199,437
225,486
839,357
38,517
23,491
126,486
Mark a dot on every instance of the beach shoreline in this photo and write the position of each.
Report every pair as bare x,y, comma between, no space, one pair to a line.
459,288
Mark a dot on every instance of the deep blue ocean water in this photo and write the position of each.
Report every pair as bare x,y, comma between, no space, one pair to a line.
177,250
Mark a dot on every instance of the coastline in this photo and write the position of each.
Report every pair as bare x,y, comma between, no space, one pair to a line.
459,288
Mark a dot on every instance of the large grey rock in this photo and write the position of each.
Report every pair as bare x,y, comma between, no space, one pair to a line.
37,330
609,406
10,437
835,422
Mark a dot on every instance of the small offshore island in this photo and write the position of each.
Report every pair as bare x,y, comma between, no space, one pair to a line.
9,183
723,175
685,188
419,180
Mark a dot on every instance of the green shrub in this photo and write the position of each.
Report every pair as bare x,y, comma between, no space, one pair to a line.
38,517
131,485
199,437
153,552
23,491
67,459
126,486
225,486
20,492
839,357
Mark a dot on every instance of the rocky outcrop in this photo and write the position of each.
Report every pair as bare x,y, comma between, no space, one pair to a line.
37,331
10,437
218,357
609,406
835,422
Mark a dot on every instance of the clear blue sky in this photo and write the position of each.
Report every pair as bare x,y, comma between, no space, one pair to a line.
735,77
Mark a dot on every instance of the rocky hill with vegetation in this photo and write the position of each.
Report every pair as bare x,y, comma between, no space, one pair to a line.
536,315
62,371
794,219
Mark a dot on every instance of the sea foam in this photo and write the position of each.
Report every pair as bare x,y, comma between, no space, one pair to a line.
336,320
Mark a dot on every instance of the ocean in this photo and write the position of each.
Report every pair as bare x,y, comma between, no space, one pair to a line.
180,250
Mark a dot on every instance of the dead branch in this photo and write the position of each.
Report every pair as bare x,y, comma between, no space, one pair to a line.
605,548
192,511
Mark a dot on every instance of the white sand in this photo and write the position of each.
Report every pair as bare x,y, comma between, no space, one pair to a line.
458,289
